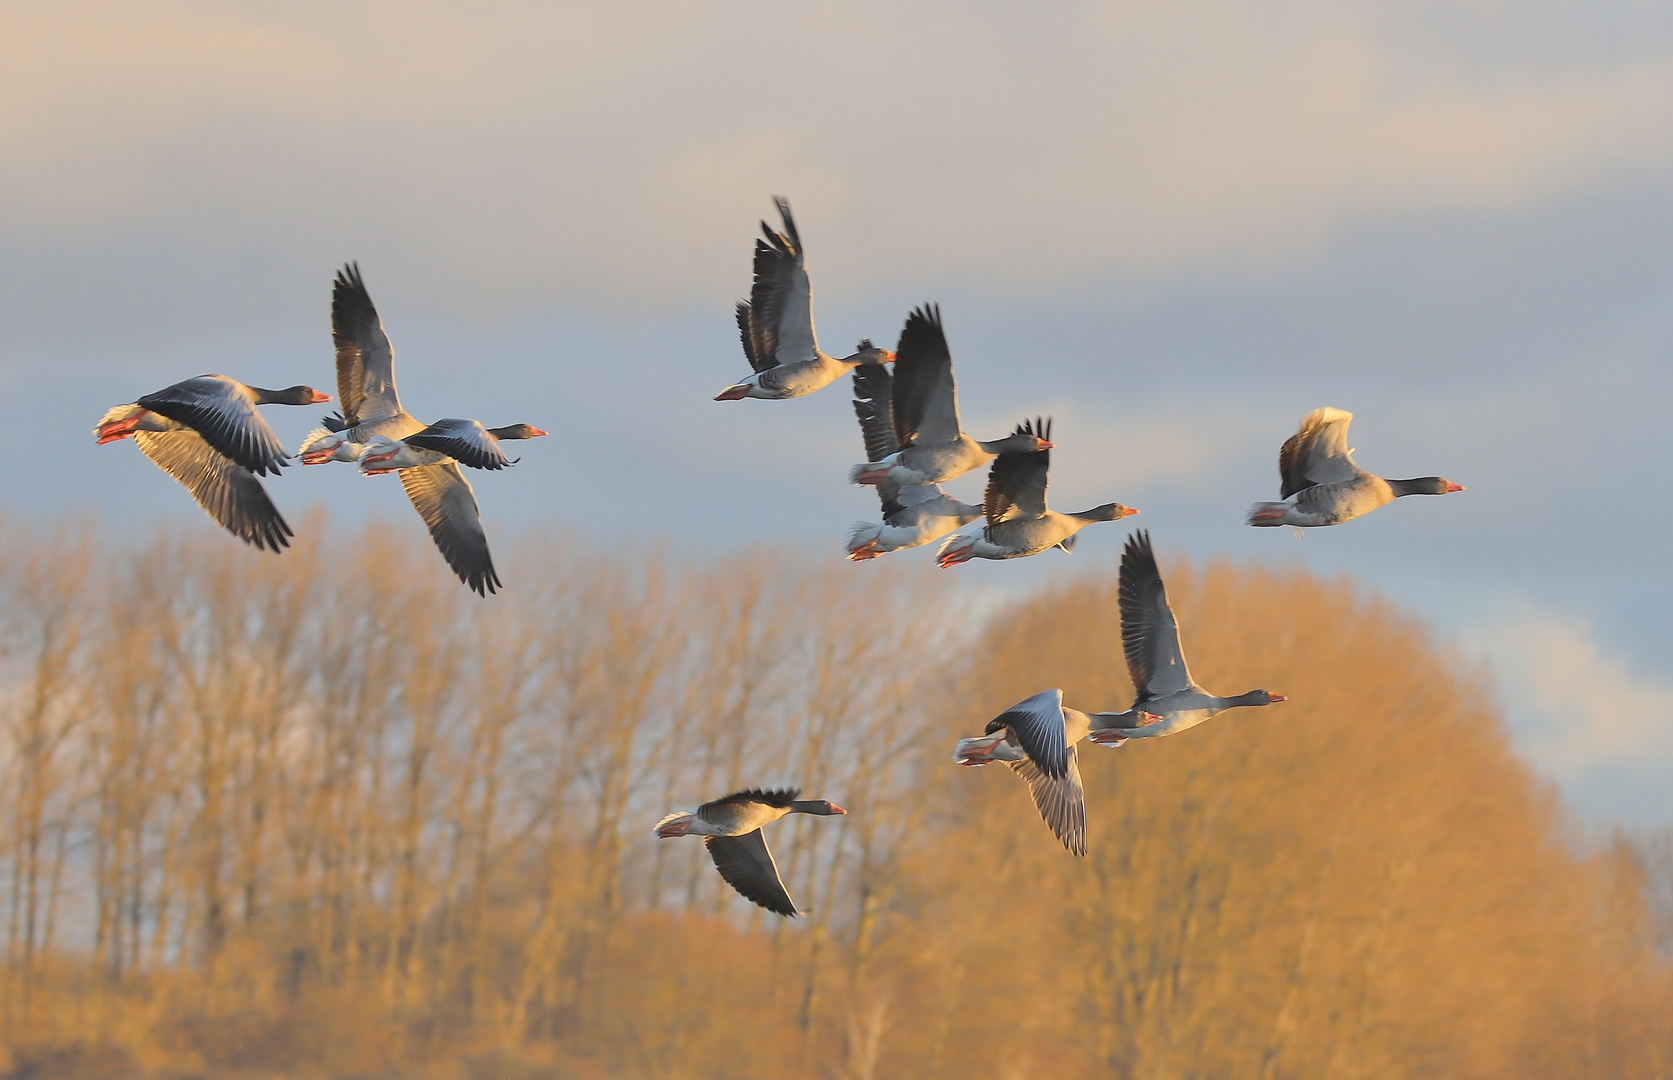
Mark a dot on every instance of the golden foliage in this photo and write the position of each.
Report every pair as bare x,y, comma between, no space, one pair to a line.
328,815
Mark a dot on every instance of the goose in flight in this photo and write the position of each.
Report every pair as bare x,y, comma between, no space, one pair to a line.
1321,483
464,441
1155,659
1018,521
206,433
1037,738
913,514
372,410
933,446
777,324
731,827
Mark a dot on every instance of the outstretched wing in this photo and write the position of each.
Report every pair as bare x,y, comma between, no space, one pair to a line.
1037,725
1061,801
925,397
443,498
227,491
777,323
1318,453
465,441
1149,633
1017,479
224,413
748,867
365,359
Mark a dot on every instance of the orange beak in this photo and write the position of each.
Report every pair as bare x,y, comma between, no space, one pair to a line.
1451,487
537,433
1044,445
319,397
1278,697
835,809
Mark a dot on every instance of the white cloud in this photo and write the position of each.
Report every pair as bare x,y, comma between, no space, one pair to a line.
1574,708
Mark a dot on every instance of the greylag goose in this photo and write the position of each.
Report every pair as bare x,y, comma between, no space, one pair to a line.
1037,738
1321,483
777,324
206,433
1018,522
1155,659
464,441
731,827
913,514
933,447
372,409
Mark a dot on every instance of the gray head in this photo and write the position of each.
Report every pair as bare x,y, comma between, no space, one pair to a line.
867,353
1107,512
1424,485
1257,697
290,395
516,431
1030,437
816,806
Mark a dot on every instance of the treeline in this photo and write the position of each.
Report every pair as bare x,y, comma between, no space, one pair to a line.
326,814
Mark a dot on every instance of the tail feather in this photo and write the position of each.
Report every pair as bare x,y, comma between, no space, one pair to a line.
676,824
313,439
860,539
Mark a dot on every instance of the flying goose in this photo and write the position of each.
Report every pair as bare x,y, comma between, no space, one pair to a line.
1318,470
933,447
731,827
206,433
372,409
450,439
1018,522
913,514
777,324
1037,738
1155,660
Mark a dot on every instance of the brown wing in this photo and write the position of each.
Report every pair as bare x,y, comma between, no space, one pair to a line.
365,359
228,492
443,498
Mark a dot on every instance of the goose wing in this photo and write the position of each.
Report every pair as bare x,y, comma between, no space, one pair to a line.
223,411
1149,633
1017,479
227,491
466,441
925,397
1037,724
443,498
1060,800
1318,453
874,407
748,867
365,359
777,323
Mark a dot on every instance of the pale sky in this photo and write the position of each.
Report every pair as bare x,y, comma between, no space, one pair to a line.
1176,228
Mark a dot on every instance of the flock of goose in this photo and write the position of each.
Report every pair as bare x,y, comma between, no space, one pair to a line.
206,433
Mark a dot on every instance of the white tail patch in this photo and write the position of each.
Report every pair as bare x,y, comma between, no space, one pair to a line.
315,438
675,824
977,751
860,537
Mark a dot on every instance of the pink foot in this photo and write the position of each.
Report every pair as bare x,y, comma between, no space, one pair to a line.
733,393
